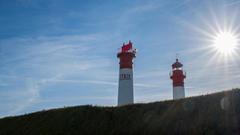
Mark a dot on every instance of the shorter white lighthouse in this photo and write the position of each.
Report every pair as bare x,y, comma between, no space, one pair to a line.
177,75
125,86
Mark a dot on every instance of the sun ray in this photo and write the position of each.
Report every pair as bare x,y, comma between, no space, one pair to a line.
217,37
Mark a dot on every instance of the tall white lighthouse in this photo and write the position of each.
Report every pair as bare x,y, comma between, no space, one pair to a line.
178,76
125,84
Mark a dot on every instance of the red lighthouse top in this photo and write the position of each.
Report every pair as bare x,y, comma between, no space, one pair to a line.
177,74
126,55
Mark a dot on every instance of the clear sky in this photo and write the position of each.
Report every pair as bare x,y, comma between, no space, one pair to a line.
56,53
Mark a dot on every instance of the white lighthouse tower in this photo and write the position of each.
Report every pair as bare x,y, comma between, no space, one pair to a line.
125,86
178,76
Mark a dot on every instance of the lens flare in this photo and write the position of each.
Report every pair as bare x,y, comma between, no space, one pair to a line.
225,42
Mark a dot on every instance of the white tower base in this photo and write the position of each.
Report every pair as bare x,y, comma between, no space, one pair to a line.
178,92
125,87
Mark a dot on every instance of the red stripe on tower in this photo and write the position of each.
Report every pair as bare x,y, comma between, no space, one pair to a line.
126,55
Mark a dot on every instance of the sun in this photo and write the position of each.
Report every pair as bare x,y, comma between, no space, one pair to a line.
225,42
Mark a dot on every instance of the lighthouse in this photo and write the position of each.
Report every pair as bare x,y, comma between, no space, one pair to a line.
125,84
177,75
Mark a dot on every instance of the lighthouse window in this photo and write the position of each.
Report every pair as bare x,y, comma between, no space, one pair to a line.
125,76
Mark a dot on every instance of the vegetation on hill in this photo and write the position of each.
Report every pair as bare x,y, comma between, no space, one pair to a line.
217,113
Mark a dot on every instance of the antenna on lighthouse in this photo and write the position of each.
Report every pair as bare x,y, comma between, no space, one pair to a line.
177,55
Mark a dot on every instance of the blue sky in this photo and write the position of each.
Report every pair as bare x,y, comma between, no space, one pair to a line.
56,53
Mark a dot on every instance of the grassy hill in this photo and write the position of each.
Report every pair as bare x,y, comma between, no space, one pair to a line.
217,113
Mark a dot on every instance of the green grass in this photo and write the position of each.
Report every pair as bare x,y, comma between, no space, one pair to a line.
217,113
